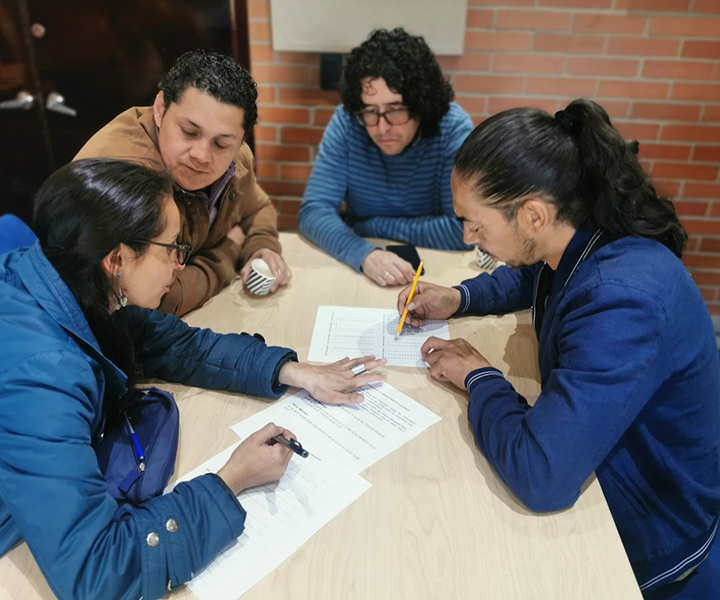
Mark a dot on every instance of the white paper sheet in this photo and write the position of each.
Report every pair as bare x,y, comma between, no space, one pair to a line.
353,435
349,331
281,517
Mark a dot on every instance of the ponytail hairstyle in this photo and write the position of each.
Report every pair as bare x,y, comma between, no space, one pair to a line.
577,161
83,212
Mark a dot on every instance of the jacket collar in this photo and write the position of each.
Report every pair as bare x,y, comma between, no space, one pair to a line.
582,244
48,289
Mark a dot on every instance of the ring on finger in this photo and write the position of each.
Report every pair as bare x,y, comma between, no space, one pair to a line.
387,275
358,369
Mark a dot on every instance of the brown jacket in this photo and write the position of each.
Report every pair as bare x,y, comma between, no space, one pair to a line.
215,259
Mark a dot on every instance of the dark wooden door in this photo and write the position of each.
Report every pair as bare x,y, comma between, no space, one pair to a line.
83,62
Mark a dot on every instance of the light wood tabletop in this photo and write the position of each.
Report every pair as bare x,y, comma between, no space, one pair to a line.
437,522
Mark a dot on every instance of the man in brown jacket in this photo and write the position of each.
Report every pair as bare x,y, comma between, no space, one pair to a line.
196,128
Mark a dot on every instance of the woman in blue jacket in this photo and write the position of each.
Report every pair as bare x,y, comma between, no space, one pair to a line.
628,360
70,350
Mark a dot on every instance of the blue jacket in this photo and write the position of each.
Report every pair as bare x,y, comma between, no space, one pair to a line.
630,390
53,381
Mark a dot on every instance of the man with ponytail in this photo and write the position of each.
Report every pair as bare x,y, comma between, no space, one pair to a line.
628,359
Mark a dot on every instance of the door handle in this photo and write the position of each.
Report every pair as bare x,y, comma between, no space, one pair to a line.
23,100
56,103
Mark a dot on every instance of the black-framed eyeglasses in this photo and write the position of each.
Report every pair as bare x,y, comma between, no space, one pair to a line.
182,251
393,116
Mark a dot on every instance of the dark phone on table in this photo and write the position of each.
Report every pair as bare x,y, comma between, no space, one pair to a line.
408,253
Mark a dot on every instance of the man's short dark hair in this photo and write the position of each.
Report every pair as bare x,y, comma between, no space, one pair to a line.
214,74
408,67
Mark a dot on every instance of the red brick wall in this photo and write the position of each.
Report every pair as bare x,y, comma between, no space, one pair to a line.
653,64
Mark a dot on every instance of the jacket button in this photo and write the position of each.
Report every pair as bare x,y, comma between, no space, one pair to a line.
153,539
171,525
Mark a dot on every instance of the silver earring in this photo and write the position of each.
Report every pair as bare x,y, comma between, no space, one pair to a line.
120,297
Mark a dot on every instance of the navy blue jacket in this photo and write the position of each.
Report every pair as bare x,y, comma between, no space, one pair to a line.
53,382
630,390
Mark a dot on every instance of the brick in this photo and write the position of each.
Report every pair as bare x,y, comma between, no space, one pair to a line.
470,61
259,31
678,69
706,6
632,89
480,18
708,293
711,113
649,150
288,223
714,309
298,58
261,53
703,261
603,66
617,109
472,104
701,276
663,111
322,116
276,114
702,226
685,26
289,207
560,86
535,20
570,44
577,3
696,49
715,209
265,133
710,191
529,63
301,135
692,245
710,245
266,94
696,91
282,152
631,46
499,104
280,74
683,170
498,40
638,131
488,84
707,154
667,189
691,209
258,9
283,188
305,96
603,23
691,133
297,172
653,5
267,170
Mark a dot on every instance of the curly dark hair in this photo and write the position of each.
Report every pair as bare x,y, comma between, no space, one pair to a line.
217,75
408,67
577,160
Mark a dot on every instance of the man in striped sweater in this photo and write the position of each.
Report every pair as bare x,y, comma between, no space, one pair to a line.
387,153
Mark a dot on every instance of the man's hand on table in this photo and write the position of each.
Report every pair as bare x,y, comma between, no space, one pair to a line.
334,383
277,265
452,360
430,301
386,268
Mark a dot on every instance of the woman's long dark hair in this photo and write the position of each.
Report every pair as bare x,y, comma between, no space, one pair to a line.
83,212
578,161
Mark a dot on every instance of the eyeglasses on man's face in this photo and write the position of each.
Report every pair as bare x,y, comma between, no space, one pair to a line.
393,116
182,251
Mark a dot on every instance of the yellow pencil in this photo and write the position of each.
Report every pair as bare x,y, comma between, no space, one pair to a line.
412,291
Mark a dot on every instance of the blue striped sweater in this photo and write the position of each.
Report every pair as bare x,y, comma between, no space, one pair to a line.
406,197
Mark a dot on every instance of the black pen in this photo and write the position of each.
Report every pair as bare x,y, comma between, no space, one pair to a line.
293,444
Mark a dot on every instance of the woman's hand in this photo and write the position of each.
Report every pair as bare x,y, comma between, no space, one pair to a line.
257,460
332,383
430,301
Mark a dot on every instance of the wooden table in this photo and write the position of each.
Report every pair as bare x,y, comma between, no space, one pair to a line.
437,523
